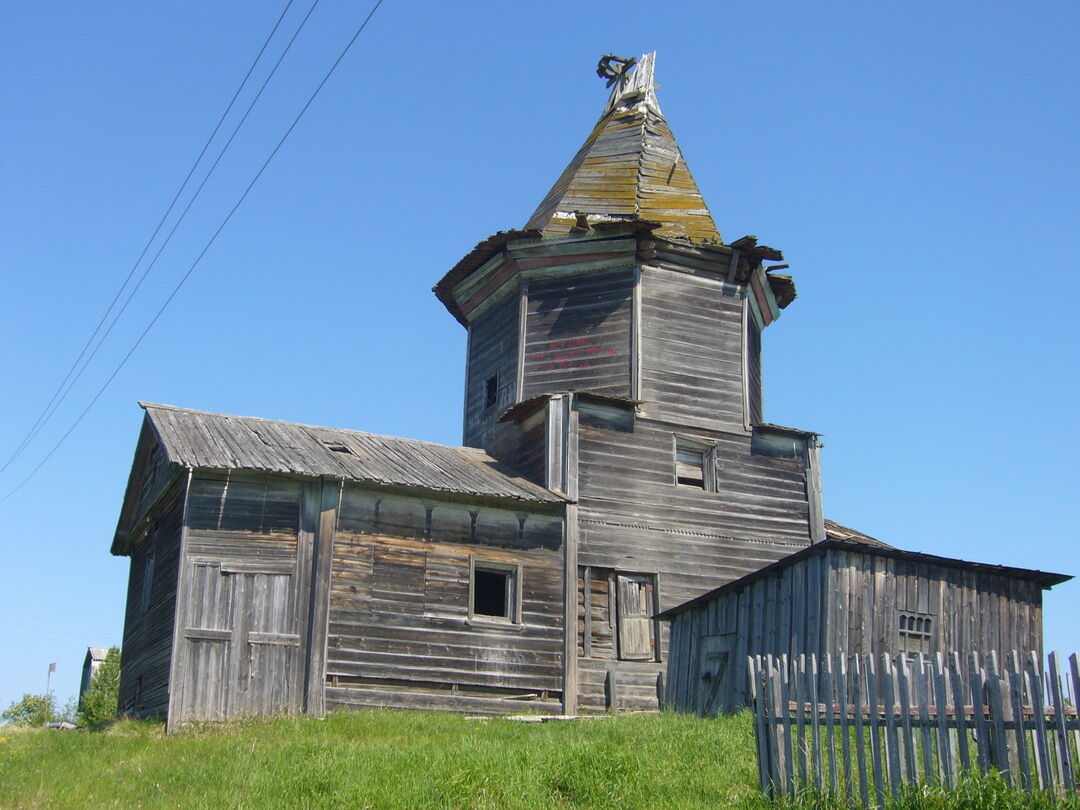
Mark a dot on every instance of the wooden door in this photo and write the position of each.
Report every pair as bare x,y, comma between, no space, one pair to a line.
243,642
717,674
634,599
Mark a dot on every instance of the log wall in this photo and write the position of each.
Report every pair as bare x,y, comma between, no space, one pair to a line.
400,631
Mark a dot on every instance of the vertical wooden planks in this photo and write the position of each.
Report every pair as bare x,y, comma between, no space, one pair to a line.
830,719
962,734
903,680
1016,697
845,725
941,700
892,745
1064,751
857,693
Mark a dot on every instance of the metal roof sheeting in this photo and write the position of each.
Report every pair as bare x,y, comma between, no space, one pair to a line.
199,439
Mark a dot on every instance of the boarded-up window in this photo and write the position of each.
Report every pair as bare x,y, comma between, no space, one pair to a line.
634,605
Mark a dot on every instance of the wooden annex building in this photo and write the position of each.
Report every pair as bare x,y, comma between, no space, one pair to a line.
615,464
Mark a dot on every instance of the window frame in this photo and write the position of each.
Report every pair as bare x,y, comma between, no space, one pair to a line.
512,571
694,444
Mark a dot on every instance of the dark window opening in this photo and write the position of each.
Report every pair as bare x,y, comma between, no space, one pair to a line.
490,592
491,391
338,448
495,592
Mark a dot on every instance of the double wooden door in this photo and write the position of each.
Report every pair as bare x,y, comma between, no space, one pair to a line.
242,641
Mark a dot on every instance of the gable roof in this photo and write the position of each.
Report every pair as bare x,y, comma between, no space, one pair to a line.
199,439
630,168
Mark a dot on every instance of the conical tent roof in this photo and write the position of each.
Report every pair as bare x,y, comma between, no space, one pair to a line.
629,167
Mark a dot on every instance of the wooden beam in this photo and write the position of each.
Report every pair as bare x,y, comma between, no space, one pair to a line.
319,611
178,663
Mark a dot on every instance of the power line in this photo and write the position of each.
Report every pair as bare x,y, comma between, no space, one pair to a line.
180,219
202,253
46,414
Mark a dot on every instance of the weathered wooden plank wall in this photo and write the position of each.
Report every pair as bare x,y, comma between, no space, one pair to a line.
847,603
691,350
968,609
400,633
492,352
577,334
148,620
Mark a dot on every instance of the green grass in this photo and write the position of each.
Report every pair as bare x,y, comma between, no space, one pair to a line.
385,759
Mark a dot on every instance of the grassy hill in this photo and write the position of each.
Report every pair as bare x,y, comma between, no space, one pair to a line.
385,759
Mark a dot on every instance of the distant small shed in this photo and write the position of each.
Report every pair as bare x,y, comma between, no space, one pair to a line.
95,656
848,595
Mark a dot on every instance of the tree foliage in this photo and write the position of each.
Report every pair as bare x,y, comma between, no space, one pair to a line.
98,703
31,710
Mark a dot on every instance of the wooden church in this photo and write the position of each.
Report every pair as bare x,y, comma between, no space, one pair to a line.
615,464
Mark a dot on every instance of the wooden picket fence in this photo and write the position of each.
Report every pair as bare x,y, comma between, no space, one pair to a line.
864,728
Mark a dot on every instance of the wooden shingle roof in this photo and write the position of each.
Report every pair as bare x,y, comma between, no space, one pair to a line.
630,168
198,439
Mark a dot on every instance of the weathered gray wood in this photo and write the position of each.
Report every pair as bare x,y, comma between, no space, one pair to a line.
977,679
875,728
829,697
941,701
845,724
798,695
911,774
1064,750
1074,671
921,675
785,667
857,696
892,742
1016,697
962,733
999,745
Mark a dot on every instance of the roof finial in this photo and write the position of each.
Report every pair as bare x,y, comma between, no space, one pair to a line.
613,68
632,80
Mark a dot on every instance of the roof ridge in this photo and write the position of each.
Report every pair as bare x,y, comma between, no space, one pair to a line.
177,408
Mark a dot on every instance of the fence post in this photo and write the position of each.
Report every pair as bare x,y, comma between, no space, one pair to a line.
845,728
830,721
962,736
1016,693
903,686
892,750
999,747
978,681
1065,760
860,742
929,771
1035,691
941,700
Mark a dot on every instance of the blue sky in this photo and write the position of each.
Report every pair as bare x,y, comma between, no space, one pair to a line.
916,162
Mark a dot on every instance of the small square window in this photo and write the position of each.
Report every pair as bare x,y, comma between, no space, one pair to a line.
693,463
495,591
